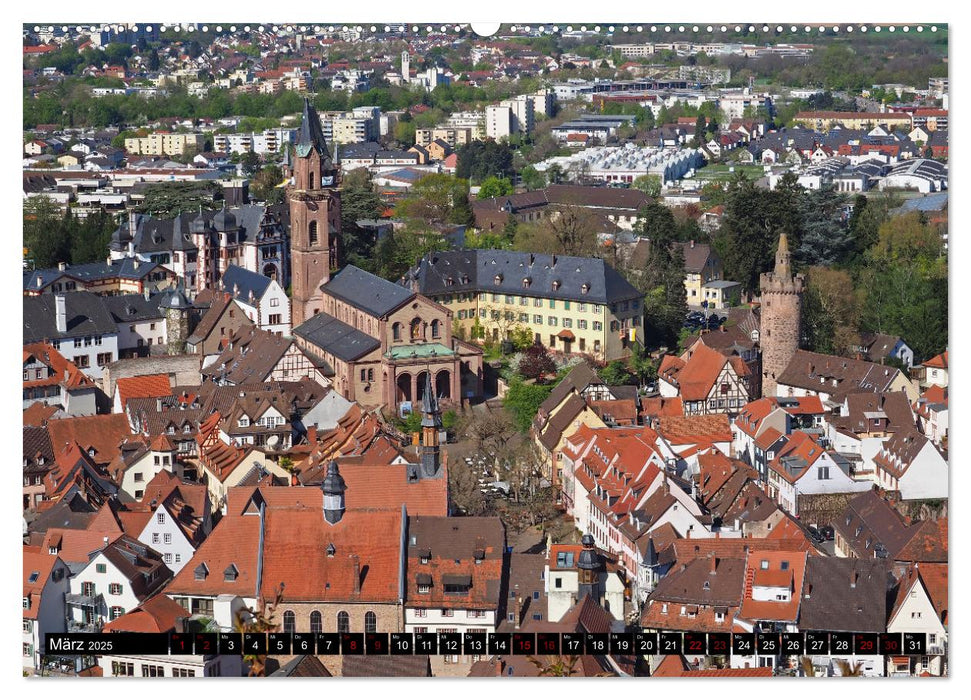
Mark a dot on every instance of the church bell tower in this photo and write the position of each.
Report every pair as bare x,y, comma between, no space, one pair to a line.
315,216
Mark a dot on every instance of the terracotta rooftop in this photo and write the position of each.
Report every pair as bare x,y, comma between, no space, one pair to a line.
144,387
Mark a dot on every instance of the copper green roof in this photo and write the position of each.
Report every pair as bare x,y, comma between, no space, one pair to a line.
404,352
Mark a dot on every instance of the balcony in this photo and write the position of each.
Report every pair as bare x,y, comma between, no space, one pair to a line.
84,600
85,627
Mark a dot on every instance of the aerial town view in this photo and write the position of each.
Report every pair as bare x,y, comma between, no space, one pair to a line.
371,350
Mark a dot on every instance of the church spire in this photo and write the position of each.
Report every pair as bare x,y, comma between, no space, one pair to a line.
310,136
431,424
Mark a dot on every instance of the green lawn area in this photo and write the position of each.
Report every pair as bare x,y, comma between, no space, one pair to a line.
721,172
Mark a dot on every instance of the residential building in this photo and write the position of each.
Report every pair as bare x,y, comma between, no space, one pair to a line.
802,468
77,325
824,121
708,382
199,248
912,465
254,356
850,596
116,276
455,570
610,208
569,304
49,378
164,144
921,607
262,299
833,378
46,582
575,571
453,136
118,577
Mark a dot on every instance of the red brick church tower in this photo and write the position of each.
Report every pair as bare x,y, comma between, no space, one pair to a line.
781,317
315,217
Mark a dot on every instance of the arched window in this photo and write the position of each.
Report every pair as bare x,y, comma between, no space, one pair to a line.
313,233
315,622
416,329
435,329
396,331
289,622
310,181
343,622
370,622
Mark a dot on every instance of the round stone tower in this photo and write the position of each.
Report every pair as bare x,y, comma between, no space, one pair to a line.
177,307
781,316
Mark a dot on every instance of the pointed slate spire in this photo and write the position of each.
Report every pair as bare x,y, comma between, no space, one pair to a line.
310,136
429,405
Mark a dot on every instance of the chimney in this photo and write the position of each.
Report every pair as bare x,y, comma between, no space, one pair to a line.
853,578
356,562
134,263
62,266
60,313
148,293
714,564
692,243
554,262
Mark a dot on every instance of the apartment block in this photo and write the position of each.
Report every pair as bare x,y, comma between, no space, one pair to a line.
164,144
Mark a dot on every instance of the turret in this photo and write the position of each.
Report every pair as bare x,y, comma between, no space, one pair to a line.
589,565
333,489
177,308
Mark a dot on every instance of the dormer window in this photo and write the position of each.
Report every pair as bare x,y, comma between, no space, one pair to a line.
201,572
556,285
244,421
497,279
331,550
231,573
449,281
526,282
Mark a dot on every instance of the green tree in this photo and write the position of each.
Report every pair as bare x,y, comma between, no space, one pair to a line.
831,312
495,187
166,199
532,179
359,202
437,199
264,185
662,278
46,235
616,373
523,401
648,184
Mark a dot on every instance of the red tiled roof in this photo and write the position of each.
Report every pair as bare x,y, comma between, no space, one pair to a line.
62,371
102,432
36,560
781,611
157,614
147,386
686,430
38,413
938,361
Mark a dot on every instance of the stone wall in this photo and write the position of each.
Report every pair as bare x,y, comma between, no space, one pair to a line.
181,369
